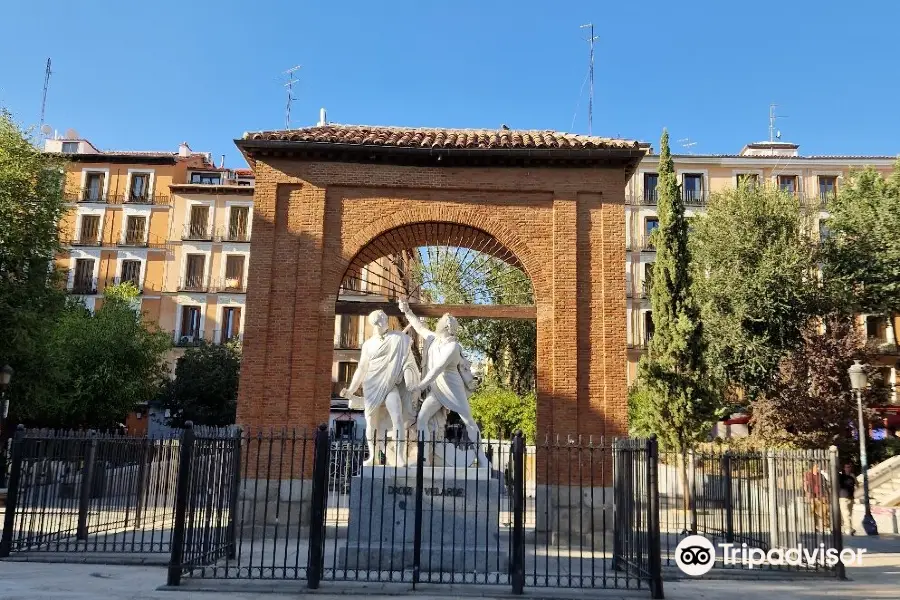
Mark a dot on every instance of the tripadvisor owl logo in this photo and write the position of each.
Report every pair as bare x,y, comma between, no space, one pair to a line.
695,555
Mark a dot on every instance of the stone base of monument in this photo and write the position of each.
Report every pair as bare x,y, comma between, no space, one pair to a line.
460,520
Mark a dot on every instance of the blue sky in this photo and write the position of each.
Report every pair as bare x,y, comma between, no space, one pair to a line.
147,75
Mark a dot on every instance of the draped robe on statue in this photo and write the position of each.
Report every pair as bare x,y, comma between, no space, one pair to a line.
390,364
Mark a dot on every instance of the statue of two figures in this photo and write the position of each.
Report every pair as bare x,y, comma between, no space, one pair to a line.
392,385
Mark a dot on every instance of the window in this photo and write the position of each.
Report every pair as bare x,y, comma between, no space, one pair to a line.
231,323
648,326
346,370
135,230
876,327
651,224
750,180
788,183
349,332
190,324
131,271
206,178
93,187
648,279
824,232
827,187
194,272
692,187
650,182
70,147
90,229
83,281
197,226
140,187
234,272
345,430
237,223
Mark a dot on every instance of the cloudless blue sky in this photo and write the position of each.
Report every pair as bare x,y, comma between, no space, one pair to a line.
148,75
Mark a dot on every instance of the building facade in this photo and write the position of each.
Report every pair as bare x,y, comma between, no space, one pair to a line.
815,179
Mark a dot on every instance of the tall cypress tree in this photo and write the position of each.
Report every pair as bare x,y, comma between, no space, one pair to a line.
672,397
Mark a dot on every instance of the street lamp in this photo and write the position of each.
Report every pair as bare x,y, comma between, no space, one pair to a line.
6,374
858,381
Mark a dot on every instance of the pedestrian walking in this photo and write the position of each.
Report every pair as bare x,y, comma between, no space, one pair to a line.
814,488
847,492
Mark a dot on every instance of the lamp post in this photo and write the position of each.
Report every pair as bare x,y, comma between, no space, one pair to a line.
858,381
6,374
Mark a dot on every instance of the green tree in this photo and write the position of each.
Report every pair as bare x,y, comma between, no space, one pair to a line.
109,362
811,403
500,412
31,206
672,397
205,386
862,254
755,280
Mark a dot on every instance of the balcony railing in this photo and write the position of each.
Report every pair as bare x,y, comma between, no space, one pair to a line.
85,195
136,239
186,339
234,286
193,284
221,336
233,234
80,240
695,198
156,199
84,287
881,346
348,341
133,280
642,290
200,232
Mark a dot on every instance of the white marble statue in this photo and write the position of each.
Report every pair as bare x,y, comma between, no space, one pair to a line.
447,379
388,374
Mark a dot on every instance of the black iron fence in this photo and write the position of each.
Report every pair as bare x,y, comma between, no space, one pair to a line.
768,500
86,492
305,506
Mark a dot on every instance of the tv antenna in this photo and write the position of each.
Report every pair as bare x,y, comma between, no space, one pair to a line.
44,100
290,94
686,143
591,41
774,134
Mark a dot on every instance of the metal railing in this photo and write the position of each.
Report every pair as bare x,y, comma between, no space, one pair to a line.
96,196
72,493
233,234
184,339
768,499
348,341
84,195
200,232
220,337
84,287
193,283
228,285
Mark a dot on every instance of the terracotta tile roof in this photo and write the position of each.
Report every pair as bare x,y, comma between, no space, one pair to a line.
243,172
420,137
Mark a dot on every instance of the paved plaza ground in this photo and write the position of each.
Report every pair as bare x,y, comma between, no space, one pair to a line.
878,577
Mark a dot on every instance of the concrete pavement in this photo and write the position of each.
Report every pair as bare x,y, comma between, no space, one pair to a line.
878,577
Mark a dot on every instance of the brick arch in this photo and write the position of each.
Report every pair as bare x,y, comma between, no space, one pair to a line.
410,222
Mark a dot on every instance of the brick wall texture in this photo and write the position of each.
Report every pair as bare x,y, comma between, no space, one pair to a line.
566,226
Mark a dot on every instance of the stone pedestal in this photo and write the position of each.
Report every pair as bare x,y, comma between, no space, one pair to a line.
460,520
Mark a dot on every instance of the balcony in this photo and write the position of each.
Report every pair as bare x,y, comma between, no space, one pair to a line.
85,195
153,199
193,284
879,345
348,341
86,286
197,232
695,198
646,244
132,280
233,234
82,240
133,239
221,336
641,198
638,345
640,291
187,339
228,286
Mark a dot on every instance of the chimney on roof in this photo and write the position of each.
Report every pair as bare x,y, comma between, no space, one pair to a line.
322,120
222,164
184,150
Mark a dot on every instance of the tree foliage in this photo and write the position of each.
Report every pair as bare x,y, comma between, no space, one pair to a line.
106,363
755,265
205,386
31,205
862,266
811,403
500,412
672,397
509,345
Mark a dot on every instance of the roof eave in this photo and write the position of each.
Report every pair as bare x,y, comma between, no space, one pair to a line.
631,156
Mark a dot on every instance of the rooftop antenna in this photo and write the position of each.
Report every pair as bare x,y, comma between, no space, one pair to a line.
686,143
290,94
774,133
591,41
44,100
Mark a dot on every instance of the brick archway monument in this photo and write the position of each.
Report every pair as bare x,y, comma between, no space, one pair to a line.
551,203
